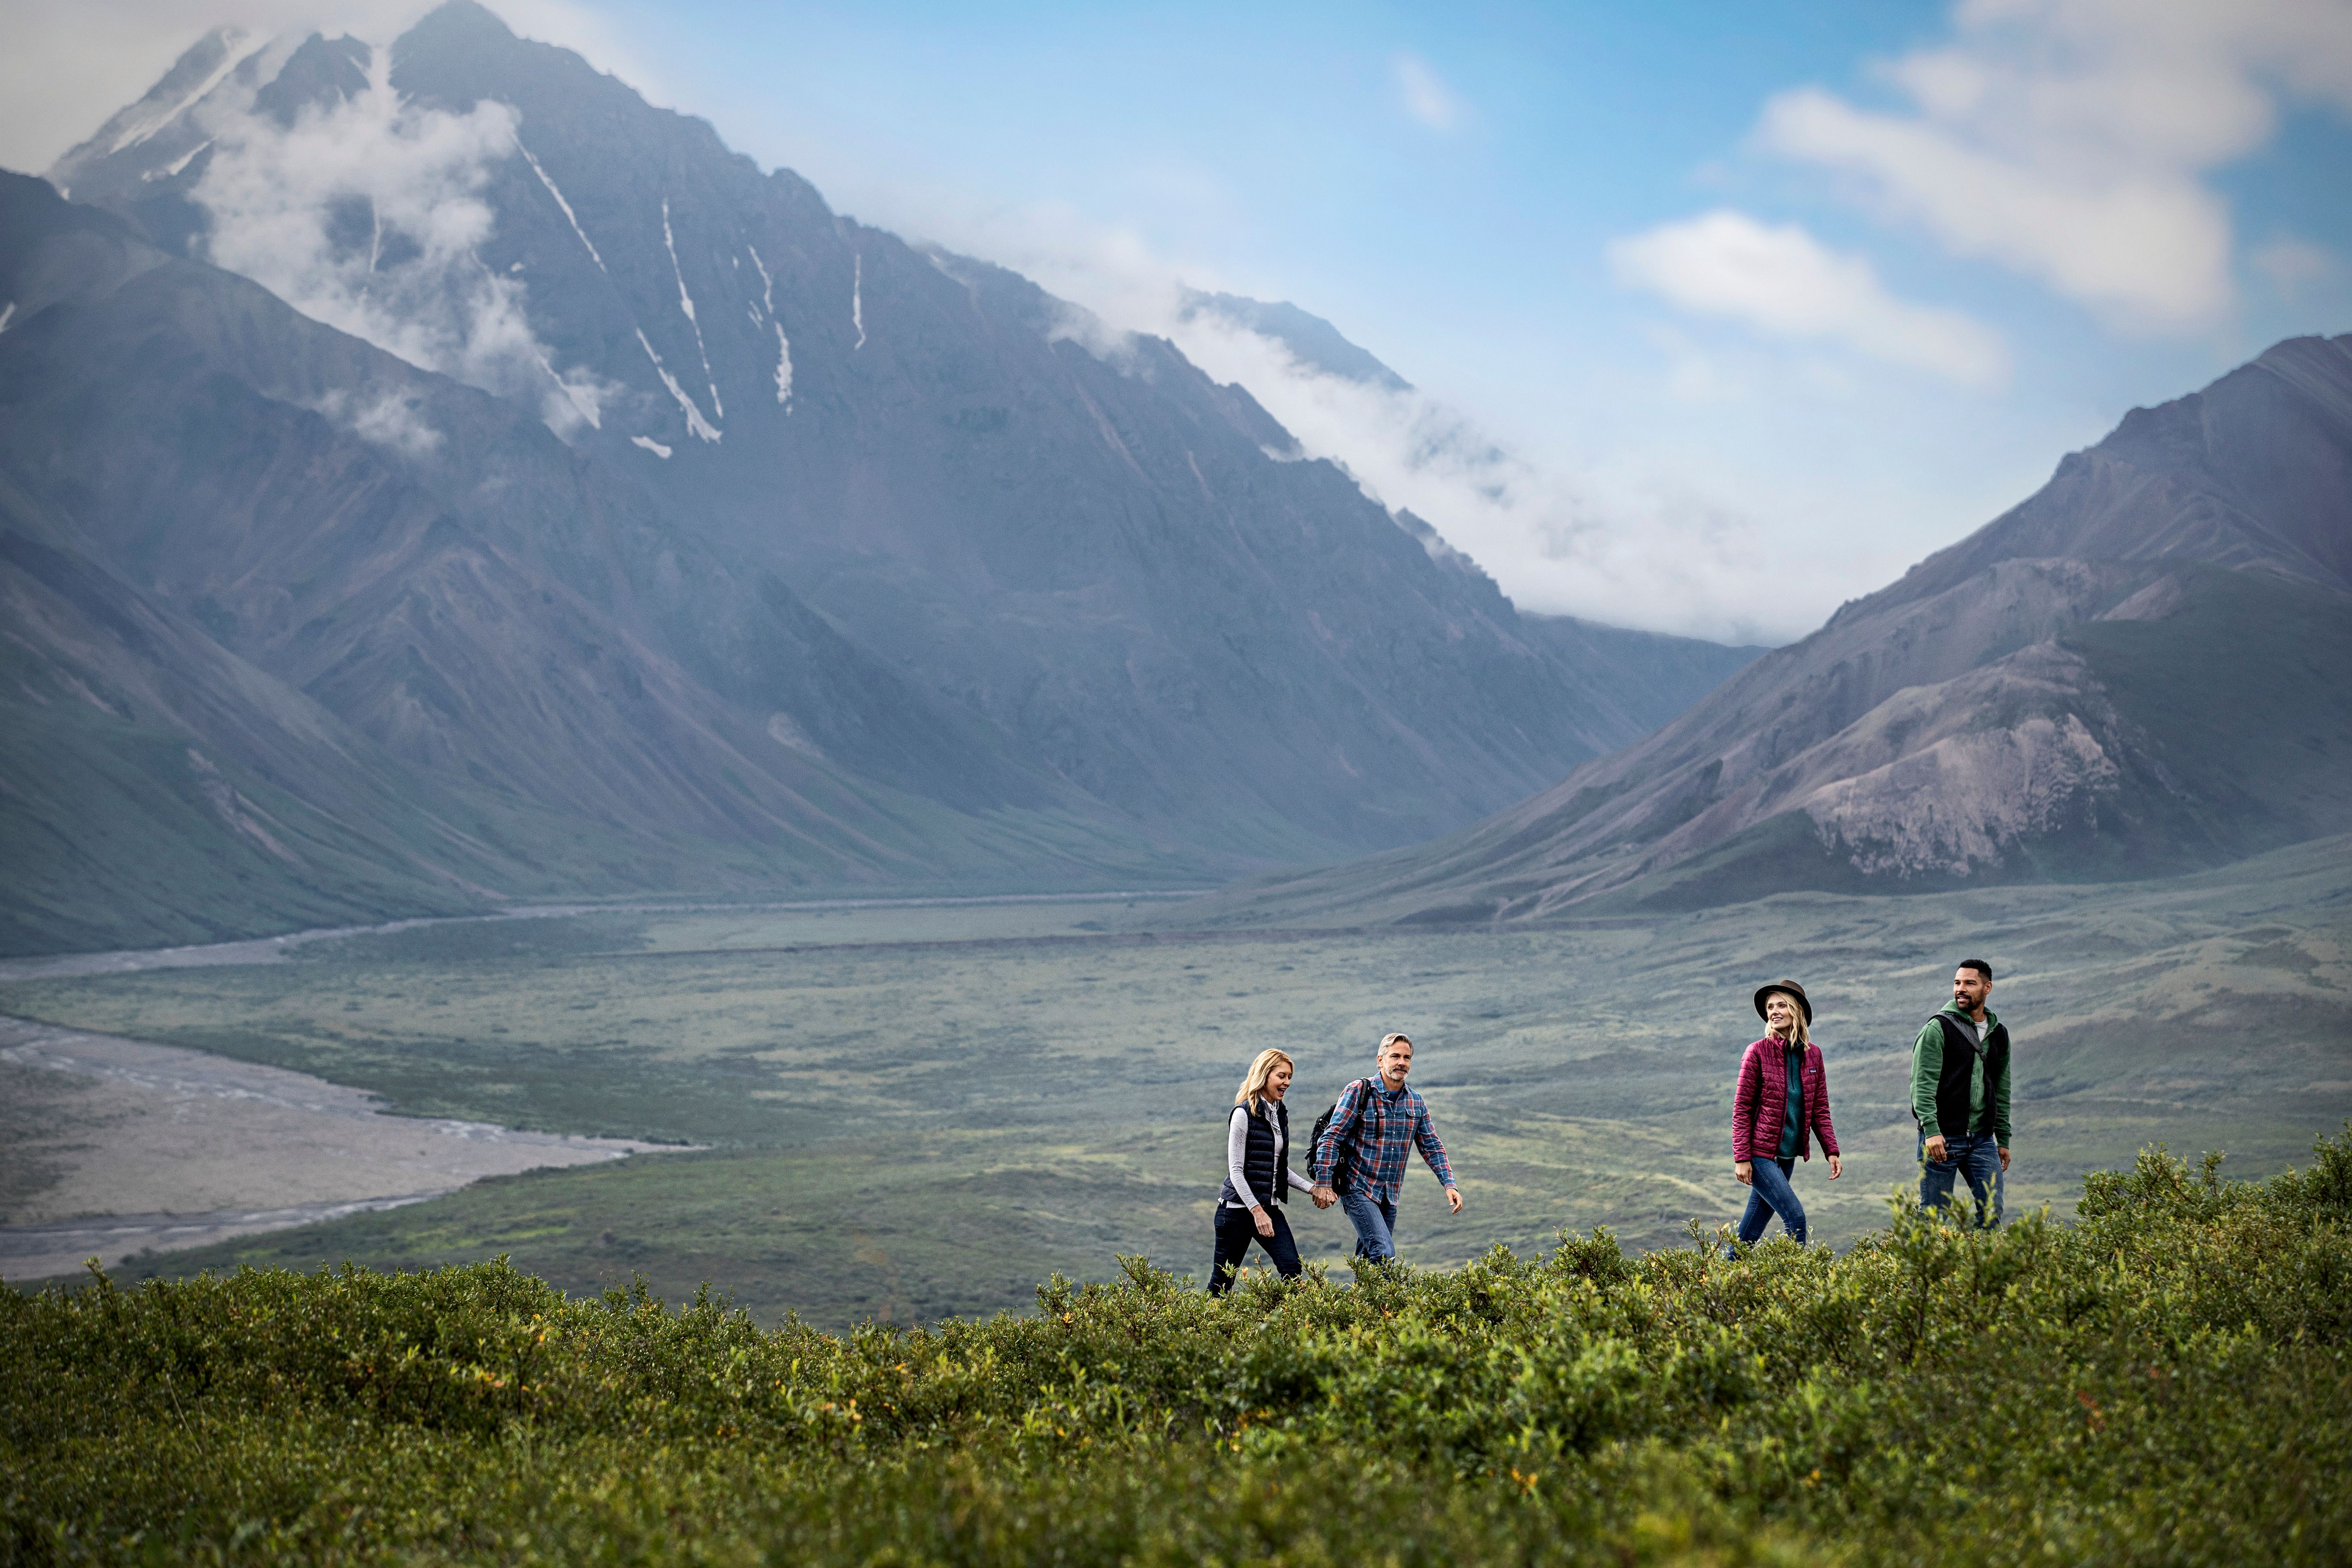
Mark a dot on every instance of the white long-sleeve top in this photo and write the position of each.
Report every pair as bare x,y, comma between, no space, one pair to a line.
1238,1145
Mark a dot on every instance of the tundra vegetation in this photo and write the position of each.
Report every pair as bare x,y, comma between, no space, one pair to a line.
2164,1381
918,1113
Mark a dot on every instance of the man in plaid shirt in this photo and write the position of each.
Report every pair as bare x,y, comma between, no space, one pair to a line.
1376,1124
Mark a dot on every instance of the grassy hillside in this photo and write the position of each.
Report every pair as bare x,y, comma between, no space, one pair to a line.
2266,662
110,824
2166,1382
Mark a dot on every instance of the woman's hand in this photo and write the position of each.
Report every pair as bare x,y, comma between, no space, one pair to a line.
1746,1170
1265,1220
1837,1167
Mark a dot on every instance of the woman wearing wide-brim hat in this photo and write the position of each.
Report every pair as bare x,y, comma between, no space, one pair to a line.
1781,1101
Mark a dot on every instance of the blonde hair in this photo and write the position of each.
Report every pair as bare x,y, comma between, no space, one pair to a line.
1802,1034
1253,1090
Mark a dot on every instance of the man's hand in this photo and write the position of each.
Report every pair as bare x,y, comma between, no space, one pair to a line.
1936,1149
1454,1200
1265,1220
1324,1196
2005,1161
1746,1170
1837,1167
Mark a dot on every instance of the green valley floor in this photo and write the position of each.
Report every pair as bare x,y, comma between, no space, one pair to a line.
913,1114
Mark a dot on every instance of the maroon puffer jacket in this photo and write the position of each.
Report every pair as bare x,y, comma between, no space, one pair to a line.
1760,1104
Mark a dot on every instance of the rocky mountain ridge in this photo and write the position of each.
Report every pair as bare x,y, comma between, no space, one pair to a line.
2146,666
698,524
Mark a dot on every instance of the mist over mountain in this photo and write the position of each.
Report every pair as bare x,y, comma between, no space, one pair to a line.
2144,669
500,477
1315,344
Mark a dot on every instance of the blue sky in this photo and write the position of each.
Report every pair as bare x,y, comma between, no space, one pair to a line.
1758,303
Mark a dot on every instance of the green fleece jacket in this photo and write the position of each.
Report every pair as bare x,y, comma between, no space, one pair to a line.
1927,1066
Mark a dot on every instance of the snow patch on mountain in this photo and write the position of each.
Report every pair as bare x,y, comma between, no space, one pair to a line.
144,120
686,303
568,215
171,171
695,423
767,284
650,445
590,409
858,300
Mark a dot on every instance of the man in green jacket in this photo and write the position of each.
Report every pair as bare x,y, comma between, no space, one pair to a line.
1959,1096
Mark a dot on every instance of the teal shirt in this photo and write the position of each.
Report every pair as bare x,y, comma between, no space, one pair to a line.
1927,1066
1793,1122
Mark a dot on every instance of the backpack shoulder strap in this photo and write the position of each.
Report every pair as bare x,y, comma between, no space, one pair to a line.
1955,1035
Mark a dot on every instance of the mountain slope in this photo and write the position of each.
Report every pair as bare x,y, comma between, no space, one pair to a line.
632,488
2159,685
308,552
1080,537
159,790
1076,537
479,616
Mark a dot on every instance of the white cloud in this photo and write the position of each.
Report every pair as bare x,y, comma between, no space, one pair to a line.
389,421
2292,265
1781,280
2069,139
1663,536
1424,94
369,217
1650,540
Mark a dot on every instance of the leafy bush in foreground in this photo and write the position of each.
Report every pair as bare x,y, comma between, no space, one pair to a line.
2164,1381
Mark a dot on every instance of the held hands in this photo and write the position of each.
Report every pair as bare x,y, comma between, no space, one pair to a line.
1325,1197
1264,1221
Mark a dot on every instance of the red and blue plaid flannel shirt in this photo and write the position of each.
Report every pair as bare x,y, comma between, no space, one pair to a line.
1381,1127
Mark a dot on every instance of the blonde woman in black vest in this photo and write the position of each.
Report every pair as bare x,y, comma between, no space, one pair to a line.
1258,1176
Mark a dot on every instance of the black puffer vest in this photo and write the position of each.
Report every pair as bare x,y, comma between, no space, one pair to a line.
1269,1178
1952,1083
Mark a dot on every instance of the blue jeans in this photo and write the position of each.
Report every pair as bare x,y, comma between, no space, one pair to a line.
1770,1195
1974,1160
1236,1231
1375,1222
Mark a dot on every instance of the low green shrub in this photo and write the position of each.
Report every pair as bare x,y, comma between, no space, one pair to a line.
2164,1381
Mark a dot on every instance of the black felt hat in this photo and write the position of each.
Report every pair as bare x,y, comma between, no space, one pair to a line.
1794,989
